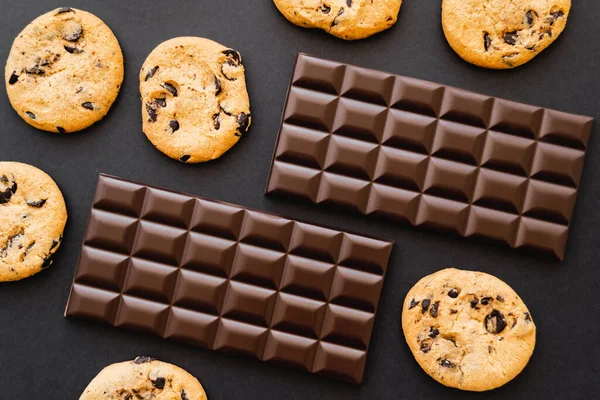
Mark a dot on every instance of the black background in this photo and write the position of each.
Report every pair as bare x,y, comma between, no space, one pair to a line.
45,356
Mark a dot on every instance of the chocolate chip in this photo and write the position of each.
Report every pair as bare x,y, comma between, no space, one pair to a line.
184,158
447,364
425,305
434,309
74,35
159,383
30,114
233,57
453,311
161,102
325,9
35,70
453,293
334,22
511,38
425,345
151,73
349,3
174,125
243,121
14,78
490,348
143,359
218,86
529,17
88,105
27,250
183,395
495,322
47,262
433,332
486,300
474,302
487,41
413,304
56,243
216,121
557,14
63,10
170,88
500,298
73,50
527,317
151,110
37,204
7,193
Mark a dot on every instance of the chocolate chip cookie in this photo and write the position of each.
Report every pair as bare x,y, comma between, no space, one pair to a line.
32,220
195,104
144,378
64,71
345,19
468,330
502,33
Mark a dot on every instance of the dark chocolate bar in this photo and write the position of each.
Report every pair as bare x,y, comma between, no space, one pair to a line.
430,155
228,278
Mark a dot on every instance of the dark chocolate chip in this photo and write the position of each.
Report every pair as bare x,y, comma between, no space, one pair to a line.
349,3
184,158
183,395
27,250
73,50
159,383
233,57
527,317
529,17
143,359
511,38
474,302
37,204
47,262
557,14
487,41
490,348
30,114
151,73
447,364
174,125
63,10
170,88
453,293
433,332
161,102
74,35
425,305
434,309
500,298
486,300
325,9
60,129
334,22
216,121
425,345
56,243
151,110
218,86
495,322
14,78
453,311
35,70
413,304
243,121
88,105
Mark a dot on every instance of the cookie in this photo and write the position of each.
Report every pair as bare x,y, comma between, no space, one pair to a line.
502,33
64,71
468,330
345,19
195,104
32,220
144,378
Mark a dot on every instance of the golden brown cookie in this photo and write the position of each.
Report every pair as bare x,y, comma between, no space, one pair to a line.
502,33
468,330
195,104
345,19
144,378
64,71
32,220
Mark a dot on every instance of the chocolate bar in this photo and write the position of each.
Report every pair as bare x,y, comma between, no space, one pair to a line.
228,278
429,155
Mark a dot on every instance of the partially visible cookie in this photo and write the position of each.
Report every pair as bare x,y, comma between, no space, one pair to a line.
64,71
468,330
32,220
144,378
502,33
345,19
195,104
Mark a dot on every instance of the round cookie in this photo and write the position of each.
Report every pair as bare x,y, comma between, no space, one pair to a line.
468,330
345,19
195,104
144,378
502,34
32,216
64,71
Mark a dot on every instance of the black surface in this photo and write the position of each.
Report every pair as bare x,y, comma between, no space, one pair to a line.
45,356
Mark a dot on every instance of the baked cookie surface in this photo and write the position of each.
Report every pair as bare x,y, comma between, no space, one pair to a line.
345,19
32,220
468,330
64,71
144,378
502,34
195,105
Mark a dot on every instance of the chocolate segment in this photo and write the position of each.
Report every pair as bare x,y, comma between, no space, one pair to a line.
430,155
228,278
